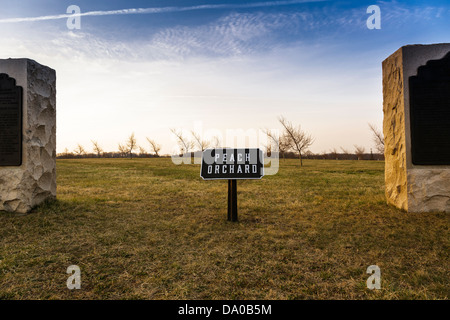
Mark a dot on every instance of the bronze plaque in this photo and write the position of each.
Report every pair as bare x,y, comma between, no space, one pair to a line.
10,122
429,102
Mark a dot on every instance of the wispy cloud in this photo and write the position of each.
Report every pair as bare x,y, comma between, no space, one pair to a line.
232,35
160,10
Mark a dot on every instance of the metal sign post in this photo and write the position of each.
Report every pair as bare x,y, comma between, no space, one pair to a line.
232,201
232,164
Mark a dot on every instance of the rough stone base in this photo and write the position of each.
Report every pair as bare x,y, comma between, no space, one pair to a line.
428,190
24,187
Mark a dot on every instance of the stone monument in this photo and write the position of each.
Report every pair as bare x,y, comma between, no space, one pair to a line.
27,134
416,127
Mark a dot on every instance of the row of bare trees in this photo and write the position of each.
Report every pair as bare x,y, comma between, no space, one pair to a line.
124,150
127,149
188,144
359,152
292,140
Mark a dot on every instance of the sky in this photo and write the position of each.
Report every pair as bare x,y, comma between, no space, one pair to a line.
213,66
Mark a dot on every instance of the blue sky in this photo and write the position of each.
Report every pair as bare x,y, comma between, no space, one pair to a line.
215,65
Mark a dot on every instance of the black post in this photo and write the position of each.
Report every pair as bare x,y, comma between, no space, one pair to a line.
234,212
232,201
229,200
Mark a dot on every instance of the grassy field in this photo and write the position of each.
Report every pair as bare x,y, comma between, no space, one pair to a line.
147,229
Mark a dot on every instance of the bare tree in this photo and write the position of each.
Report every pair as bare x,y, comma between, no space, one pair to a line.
142,151
377,137
284,145
185,144
131,145
79,150
66,152
345,151
202,144
268,149
123,150
359,151
280,142
154,147
299,140
97,149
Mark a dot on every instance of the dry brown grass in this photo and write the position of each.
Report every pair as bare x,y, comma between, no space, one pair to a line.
147,229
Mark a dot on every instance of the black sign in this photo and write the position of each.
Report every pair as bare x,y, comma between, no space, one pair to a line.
10,122
429,93
232,164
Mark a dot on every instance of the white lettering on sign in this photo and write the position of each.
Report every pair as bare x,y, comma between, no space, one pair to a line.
226,163
230,158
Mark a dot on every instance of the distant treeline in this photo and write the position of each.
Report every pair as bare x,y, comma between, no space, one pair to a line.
343,156
334,156
293,142
106,155
287,155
